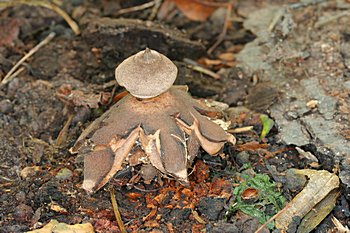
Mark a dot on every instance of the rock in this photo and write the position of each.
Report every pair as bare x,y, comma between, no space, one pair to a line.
6,106
23,213
347,85
225,228
327,104
29,171
242,158
211,207
327,132
64,174
178,216
49,192
294,182
293,133
20,196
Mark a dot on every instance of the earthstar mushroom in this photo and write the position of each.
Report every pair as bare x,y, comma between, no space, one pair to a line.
146,74
160,119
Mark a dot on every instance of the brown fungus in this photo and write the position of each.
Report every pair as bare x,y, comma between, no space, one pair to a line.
166,123
146,74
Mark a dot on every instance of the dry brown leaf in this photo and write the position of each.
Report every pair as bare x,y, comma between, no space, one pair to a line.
55,226
197,217
251,146
226,56
340,227
197,228
170,227
151,223
249,194
133,196
151,214
209,62
220,187
320,184
78,98
195,9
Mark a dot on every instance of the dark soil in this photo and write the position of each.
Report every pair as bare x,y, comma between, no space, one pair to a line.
41,181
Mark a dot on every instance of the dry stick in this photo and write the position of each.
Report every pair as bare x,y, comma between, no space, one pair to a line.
72,24
25,57
205,71
155,9
137,8
47,4
63,133
276,18
273,218
332,18
194,66
224,30
16,73
116,211
241,130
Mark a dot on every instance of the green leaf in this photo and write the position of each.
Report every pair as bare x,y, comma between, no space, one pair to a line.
268,195
267,124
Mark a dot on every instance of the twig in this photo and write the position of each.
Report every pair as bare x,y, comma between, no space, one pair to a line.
197,217
194,66
16,73
63,133
224,30
47,4
137,8
25,57
205,71
155,9
305,3
241,130
145,190
276,18
272,218
116,211
332,18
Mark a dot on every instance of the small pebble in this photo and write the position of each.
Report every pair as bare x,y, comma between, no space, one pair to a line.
347,85
23,213
64,174
6,106
29,171
242,158
211,207
20,196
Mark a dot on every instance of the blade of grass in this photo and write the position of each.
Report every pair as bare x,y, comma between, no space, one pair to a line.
116,211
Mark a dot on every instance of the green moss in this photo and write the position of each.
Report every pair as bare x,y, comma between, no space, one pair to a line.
268,198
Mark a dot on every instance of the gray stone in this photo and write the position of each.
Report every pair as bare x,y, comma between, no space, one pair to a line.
242,157
347,85
211,207
225,228
6,106
327,104
327,133
292,133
